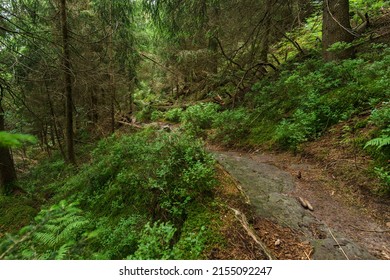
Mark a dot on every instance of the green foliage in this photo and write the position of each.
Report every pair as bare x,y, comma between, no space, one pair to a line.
174,115
15,213
199,117
368,6
232,126
379,142
384,175
54,170
116,240
306,99
57,232
135,197
289,133
339,46
155,242
15,140
381,116
145,114
156,115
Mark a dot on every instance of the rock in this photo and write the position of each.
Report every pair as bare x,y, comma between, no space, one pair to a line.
270,189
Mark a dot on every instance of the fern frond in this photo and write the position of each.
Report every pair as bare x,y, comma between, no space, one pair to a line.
62,252
46,238
379,142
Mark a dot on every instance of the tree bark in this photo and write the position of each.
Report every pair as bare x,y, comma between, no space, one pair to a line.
112,77
68,85
54,124
267,32
7,167
336,28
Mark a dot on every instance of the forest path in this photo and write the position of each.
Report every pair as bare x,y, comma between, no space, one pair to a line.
336,229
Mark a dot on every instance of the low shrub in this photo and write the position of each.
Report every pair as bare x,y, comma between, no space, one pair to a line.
232,127
174,115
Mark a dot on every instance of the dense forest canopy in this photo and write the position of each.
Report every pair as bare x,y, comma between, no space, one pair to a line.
143,83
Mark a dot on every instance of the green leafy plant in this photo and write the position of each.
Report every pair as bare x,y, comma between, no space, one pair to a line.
384,175
383,140
14,139
290,133
199,117
174,115
56,232
155,242
232,127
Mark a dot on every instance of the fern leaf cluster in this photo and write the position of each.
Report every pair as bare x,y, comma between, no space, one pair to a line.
379,142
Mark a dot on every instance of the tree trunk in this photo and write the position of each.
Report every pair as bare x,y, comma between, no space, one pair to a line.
68,85
54,124
265,42
7,167
336,28
112,78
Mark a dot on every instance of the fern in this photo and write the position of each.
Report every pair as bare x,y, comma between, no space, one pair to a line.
379,142
57,230
62,252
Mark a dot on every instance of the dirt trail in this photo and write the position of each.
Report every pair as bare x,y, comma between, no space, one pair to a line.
335,229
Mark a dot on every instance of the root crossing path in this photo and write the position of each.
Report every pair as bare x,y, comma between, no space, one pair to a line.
333,229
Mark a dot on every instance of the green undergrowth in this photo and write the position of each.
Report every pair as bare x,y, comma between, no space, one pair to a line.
149,195
299,103
16,212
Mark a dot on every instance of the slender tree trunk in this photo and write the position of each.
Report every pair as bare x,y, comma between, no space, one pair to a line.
265,42
94,116
54,125
68,85
112,78
213,41
336,28
45,133
7,167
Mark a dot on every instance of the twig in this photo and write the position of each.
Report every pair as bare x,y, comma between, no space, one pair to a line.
308,255
130,124
338,244
342,26
242,219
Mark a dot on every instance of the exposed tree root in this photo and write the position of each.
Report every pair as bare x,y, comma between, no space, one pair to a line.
244,222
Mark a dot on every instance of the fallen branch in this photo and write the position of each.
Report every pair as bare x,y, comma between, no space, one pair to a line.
130,124
242,219
338,244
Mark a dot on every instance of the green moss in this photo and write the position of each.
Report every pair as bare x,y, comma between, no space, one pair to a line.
16,212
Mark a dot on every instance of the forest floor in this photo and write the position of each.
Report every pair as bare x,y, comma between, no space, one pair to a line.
348,220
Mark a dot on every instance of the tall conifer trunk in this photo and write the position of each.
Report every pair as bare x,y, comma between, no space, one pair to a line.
7,167
68,85
336,27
